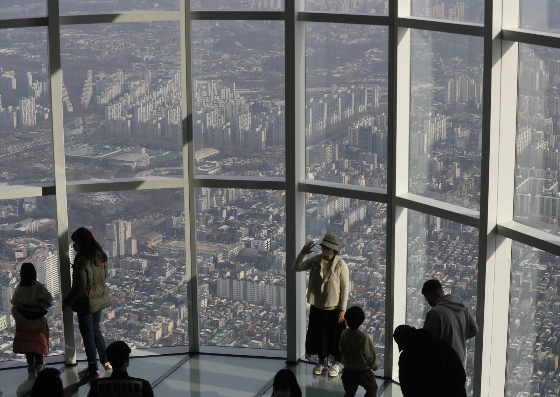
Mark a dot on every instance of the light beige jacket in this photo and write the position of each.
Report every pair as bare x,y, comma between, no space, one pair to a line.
326,293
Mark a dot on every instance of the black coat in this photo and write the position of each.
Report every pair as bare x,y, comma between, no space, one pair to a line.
430,367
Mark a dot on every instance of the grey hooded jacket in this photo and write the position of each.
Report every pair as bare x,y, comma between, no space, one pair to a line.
452,321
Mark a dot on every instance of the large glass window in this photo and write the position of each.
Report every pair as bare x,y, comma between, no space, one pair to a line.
361,229
446,117
241,261
143,233
447,251
122,100
239,98
454,10
534,313
543,15
537,202
28,234
25,116
346,104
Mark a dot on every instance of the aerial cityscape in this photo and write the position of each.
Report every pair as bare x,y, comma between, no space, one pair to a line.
123,118
446,117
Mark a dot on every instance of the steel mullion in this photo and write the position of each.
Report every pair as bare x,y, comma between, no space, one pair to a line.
532,37
434,25
188,177
120,17
339,190
32,190
393,297
237,15
357,19
488,266
505,212
527,235
120,184
240,182
59,168
440,209
295,172
23,23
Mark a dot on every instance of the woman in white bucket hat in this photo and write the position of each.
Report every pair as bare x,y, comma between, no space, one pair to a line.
327,293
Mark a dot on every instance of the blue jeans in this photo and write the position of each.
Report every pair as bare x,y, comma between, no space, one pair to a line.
93,339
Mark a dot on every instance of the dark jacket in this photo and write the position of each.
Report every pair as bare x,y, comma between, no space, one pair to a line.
452,321
89,293
121,385
430,367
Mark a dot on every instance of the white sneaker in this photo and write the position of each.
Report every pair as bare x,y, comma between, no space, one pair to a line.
334,370
318,369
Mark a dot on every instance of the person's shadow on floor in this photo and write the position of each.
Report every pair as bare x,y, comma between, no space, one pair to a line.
26,386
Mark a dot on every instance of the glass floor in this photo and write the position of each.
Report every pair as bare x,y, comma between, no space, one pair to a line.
201,376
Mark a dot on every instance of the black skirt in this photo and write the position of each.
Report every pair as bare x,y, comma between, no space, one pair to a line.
323,336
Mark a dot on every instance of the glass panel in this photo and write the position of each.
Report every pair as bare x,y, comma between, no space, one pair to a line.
23,9
74,7
346,106
454,10
446,117
447,251
534,308
361,228
145,242
379,7
543,15
122,100
238,5
28,234
239,118
537,202
241,258
25,114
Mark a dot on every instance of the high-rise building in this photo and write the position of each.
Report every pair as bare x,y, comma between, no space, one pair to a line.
47,271
116,235
6,298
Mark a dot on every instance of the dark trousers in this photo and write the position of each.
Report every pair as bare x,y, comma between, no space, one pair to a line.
34,358
352,380
93,339
323,336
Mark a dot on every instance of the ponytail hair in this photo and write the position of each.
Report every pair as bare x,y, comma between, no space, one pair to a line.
89,247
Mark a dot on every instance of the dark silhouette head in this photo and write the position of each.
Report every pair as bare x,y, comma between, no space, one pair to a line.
28,274
354,317
401,334
86,245
118,353
285,381
432,290
48,384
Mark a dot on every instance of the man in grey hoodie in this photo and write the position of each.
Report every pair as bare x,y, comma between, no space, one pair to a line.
449,319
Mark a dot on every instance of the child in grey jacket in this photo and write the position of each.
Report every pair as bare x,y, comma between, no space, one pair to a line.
358,356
